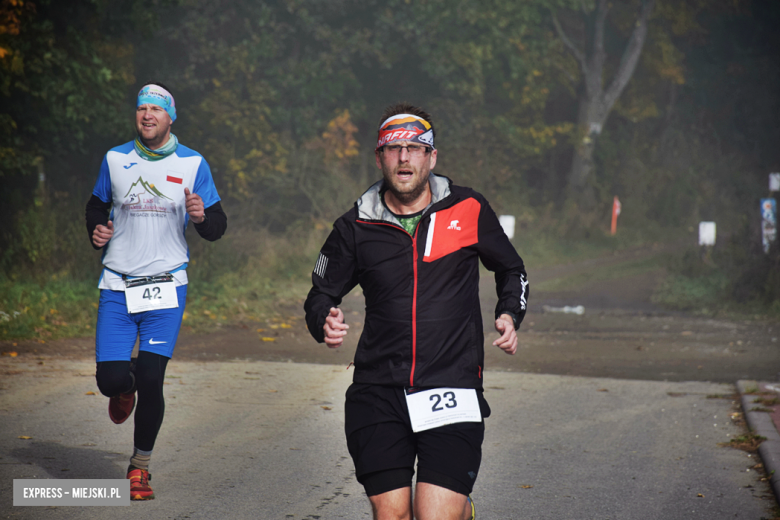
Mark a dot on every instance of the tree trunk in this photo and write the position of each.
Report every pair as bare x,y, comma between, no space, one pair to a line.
595,102
590,121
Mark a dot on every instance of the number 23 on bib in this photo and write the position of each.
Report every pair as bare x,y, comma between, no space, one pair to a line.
440,406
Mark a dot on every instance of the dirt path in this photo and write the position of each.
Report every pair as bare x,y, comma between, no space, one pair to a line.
622,333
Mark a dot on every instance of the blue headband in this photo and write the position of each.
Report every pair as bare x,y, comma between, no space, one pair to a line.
156,95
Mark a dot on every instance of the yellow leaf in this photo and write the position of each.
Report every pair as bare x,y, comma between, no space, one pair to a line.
268,339
260,330
25,437
326,408
90,393
525,486
285,326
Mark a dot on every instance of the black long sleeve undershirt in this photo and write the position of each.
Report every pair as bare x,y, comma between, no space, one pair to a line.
212,228
97,213
214,225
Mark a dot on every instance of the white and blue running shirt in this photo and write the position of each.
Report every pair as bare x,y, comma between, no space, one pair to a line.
148,211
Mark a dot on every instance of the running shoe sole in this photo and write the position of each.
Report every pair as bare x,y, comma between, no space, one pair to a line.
120,407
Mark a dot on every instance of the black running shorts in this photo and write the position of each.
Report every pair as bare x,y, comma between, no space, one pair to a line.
384,447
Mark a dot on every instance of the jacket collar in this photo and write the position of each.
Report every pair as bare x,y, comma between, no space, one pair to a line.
370,206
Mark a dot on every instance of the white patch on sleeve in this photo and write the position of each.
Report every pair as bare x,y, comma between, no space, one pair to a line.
321,266
524,283
429,240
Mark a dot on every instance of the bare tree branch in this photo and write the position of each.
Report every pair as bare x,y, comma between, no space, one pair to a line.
630,56
578,55
598,30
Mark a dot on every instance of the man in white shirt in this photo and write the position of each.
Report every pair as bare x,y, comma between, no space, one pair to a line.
154,187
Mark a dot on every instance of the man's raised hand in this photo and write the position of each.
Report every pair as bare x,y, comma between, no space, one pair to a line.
335,328
194,205
102,234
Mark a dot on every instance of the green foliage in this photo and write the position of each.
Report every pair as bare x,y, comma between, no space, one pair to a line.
282,98
735,277
60,307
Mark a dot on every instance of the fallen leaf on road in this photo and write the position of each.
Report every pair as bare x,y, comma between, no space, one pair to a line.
326,408
90,393
699,495
686,333
24,437
268,339
525,486
602,390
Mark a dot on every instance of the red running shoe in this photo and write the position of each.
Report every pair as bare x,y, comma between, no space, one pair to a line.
139,484
120,407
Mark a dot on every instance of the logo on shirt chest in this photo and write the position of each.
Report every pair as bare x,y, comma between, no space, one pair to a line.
452,229
144,199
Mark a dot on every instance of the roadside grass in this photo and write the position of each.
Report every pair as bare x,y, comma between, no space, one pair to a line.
56,309
710,294
702,295
603,273
256,277
236,298
252,277
543,248
748,442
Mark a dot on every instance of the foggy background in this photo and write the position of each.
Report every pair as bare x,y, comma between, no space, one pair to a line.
283,98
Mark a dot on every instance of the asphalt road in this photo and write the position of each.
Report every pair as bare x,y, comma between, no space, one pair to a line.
257,439
618,413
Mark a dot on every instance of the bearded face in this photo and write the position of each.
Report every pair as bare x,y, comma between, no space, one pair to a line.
405,174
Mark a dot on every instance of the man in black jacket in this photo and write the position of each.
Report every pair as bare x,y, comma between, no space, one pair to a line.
413,242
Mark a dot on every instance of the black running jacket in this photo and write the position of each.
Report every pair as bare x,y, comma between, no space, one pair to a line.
423,325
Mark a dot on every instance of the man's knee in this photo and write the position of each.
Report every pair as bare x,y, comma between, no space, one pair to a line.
150,371
392,505
432,502
114,378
